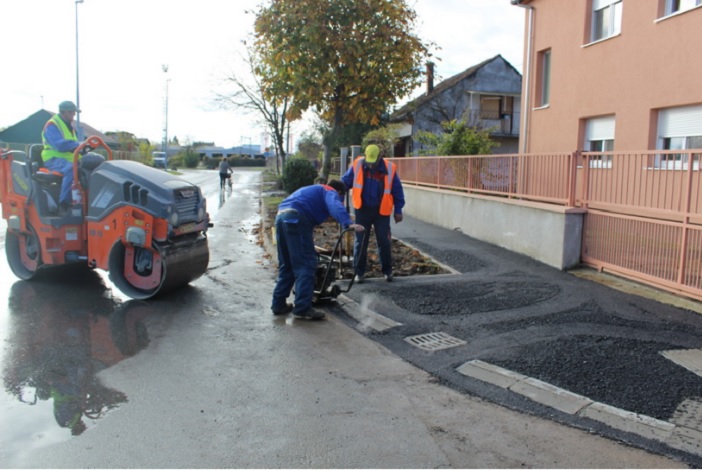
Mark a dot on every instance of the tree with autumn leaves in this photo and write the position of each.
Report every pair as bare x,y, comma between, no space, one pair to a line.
347,59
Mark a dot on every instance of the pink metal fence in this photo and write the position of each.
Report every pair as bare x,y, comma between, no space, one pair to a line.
644,218
662,184
659,252
542,178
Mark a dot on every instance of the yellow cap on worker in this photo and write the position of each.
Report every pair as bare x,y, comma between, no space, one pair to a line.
372,152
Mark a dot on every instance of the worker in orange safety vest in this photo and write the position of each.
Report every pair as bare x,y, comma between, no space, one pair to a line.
376,195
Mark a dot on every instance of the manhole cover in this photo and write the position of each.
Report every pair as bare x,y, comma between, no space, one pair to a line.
434,341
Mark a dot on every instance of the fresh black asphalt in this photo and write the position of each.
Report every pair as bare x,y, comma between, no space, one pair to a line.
522,315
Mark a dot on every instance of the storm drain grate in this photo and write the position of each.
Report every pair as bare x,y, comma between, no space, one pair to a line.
434,341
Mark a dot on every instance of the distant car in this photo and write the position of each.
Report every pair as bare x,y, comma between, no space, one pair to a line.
160,159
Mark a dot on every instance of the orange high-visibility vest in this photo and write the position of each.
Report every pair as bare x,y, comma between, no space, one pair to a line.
387,202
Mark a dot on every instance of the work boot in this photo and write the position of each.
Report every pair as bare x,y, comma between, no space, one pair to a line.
287,308
309,314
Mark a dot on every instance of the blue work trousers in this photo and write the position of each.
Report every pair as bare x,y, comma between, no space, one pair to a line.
64,167
297,261
381,224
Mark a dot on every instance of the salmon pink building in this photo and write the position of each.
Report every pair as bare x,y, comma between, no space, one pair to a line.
611,75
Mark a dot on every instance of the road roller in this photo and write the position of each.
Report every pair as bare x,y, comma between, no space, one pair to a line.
146,227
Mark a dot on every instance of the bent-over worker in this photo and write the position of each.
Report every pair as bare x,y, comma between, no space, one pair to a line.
297,216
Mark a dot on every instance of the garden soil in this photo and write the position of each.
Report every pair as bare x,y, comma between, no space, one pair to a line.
407,260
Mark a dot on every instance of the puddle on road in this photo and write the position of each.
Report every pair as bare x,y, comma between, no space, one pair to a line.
57,336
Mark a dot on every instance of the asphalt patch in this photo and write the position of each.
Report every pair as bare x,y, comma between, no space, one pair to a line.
592,314
475,297
625,373
457,259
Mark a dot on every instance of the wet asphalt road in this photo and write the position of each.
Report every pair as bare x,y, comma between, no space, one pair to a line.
206,377
521,315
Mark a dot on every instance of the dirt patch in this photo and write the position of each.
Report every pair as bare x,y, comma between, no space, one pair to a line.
407,261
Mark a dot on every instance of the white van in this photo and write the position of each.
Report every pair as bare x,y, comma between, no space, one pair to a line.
160,159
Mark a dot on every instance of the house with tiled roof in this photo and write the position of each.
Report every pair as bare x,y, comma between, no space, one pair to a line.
486,95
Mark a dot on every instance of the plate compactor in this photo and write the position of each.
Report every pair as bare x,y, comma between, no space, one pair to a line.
145,227
330,271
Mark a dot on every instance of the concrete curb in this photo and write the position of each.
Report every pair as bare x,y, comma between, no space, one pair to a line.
675,435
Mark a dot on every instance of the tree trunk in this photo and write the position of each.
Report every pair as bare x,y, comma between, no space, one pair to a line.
281,151
331,139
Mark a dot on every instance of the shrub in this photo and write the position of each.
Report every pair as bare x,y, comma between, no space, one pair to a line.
457,138
298,172
176,161
384,137
191,159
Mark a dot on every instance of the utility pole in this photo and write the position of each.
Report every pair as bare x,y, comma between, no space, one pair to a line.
164,67
79,130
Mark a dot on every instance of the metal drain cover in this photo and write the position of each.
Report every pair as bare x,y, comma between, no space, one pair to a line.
434,341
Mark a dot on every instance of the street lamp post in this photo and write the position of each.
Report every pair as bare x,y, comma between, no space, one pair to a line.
79,130
164,67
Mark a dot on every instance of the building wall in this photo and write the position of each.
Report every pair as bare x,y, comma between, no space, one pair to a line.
653,63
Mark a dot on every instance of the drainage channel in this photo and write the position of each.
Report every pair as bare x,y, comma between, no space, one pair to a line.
434,341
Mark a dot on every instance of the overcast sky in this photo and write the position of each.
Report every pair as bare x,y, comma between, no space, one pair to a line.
124,43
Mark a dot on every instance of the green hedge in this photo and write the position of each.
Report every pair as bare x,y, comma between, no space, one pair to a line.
298,172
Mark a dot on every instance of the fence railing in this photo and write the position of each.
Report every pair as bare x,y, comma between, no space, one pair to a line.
542,178
665,184
644,209
495,121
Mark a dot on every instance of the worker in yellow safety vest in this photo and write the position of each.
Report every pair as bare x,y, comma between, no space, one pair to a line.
60,141
376,194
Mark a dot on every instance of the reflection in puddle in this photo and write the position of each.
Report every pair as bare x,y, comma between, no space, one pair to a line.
224,194
59,336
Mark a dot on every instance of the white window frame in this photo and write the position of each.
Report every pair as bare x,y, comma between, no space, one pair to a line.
611,12
673,7
599,137
678,128
676,161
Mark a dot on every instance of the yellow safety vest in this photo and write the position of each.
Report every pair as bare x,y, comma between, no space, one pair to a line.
387,202
69,134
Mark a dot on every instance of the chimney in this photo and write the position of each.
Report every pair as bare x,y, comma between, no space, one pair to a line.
430,77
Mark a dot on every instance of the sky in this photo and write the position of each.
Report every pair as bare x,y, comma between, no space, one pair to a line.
124,44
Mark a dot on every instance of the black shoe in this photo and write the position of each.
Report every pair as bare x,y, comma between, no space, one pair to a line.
388,277
359,279
284,311
309,314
